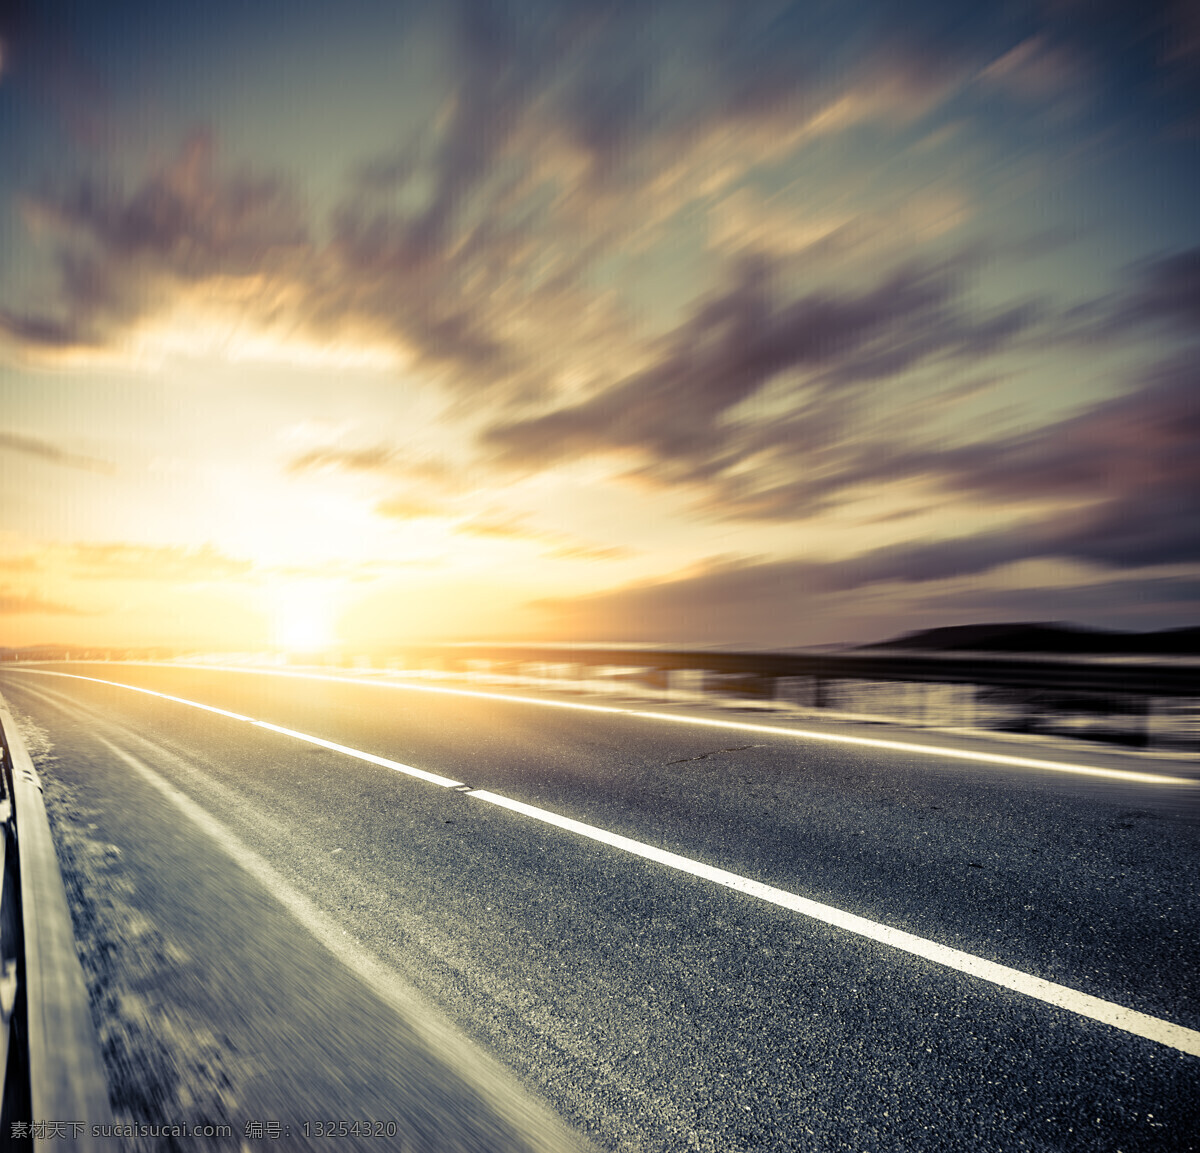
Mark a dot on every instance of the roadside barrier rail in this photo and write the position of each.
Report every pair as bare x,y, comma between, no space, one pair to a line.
52,1063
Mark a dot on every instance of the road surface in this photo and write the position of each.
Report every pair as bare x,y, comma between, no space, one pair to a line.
522,926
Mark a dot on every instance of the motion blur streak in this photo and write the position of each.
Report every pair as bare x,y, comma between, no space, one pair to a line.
711,722
541,1132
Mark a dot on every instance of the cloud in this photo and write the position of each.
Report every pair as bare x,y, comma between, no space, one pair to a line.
410,508
438,490
123,257
379,460
785,603
558,545
766,408
361,572
825,347
1125,475
729,600
565,142
14,602
496,528
44,450
1127,469
134,562
1107,599
431,487
1165,291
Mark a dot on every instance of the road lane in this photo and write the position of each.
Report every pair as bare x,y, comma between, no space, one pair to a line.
655,1008
932,848
250,1003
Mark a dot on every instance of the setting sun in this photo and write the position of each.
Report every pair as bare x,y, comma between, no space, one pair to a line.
765,355
303,617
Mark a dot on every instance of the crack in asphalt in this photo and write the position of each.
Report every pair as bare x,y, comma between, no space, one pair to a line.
715,752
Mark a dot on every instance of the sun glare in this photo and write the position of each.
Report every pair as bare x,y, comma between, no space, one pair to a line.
303,618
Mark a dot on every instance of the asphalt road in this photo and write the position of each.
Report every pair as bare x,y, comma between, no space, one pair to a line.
279,933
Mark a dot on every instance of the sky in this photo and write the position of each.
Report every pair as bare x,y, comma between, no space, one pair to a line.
744,323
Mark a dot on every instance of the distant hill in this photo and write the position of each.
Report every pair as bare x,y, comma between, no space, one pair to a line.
1048,637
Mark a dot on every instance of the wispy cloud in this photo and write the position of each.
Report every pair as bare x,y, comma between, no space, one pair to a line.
472,247
559,545
44,450
411,508
16,602
747,256
134,562
788,603
689,416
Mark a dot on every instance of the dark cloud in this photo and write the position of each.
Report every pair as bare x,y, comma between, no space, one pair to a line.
44,450
122,255
1134,460
784,603
471,245
486,228
1165,291
1126,474
43,332
1107,600
834,360
832,343
732,600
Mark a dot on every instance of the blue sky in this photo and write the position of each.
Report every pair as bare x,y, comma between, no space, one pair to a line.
756,323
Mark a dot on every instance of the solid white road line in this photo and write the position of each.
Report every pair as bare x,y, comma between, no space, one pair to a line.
1083,1004
358,754
1128,1020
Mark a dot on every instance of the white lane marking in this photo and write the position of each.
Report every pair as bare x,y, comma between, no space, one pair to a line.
543,1130
1083,1004
710,722
385,762
1107,1012
396,766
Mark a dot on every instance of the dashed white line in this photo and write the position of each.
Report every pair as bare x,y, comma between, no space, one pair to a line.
395,766
1083,1004
358,754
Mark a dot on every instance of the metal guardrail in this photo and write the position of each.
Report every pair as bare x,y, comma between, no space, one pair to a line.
1049,673
1153,707
53,1068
